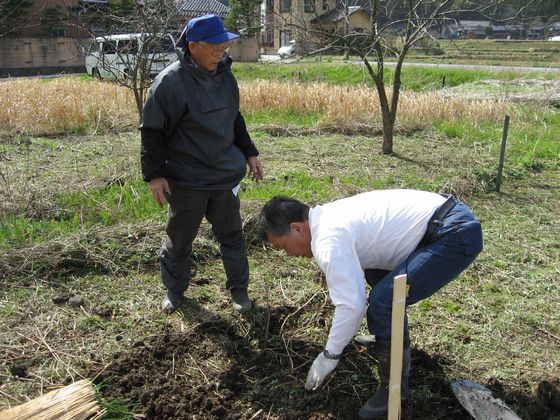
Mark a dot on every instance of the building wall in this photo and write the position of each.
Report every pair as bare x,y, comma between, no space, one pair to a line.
295,21
360,20
75,14
245,49
39,55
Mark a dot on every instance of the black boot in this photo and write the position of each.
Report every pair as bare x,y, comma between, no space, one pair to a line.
376,406
240,300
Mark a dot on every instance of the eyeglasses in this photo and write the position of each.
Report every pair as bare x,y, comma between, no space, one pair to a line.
215,51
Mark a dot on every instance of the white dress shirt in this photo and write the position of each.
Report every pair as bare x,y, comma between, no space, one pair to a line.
377,229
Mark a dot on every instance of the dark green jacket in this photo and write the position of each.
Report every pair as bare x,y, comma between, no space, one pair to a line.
192,131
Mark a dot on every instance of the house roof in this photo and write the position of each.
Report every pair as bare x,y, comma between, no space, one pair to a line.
334,15
193,8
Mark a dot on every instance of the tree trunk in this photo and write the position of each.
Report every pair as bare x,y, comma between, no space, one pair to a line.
387,118
138,94
388,128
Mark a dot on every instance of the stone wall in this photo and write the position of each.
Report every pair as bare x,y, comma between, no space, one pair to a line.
36,55
32,56
245,49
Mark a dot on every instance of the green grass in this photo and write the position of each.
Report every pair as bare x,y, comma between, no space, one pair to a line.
413,78
354,74
486,323
533,146
76,211
533,141
118,409
78,221
516,53
289,117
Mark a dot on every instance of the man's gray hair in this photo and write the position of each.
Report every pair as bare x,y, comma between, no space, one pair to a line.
279,213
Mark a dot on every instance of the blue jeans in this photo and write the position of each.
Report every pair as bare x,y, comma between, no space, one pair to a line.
452,248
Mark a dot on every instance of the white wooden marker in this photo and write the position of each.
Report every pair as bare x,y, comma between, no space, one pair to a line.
397,342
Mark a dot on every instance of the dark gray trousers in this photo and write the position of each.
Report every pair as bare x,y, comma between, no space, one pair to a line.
186,211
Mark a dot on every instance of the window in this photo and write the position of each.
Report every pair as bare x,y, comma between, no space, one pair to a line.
325,5
161,45
269,37
128,46
285,6
93,48
284,38
109,47
59,32
269,6
309,6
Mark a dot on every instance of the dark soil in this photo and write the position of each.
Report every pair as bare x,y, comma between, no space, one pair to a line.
218,371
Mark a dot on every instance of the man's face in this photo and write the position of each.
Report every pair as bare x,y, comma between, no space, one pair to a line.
296,243
207,56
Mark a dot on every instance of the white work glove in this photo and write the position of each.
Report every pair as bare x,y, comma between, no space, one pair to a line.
320,369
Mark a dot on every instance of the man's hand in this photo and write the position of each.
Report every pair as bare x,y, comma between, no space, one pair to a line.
255,167
320,369
159,187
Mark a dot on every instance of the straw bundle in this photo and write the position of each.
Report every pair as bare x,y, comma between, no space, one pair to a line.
75,401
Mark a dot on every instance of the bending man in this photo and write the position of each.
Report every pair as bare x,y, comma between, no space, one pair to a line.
375,235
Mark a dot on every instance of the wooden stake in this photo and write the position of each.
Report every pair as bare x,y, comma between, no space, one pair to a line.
397,342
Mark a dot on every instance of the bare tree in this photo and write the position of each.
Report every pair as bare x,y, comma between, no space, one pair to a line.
405,21
15,14
134,61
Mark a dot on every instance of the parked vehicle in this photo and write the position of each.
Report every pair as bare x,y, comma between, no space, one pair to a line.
119,56
288,50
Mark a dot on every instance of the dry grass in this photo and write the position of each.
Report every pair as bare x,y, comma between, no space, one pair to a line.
70,105
64,105
72,402
361,104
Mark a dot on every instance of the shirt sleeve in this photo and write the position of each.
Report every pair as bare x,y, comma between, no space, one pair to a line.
242,139
338,259
153,154
162,111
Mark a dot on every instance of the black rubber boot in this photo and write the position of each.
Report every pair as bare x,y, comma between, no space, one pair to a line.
240,300
171,302
376,406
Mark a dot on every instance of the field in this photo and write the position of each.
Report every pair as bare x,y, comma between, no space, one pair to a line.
490,52
79,235
495,52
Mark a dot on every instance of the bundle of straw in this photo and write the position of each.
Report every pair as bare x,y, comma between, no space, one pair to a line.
75,401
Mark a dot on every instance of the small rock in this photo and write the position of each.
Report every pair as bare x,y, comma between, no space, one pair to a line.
59,300
76,301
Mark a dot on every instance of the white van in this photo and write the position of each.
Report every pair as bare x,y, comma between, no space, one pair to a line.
119,56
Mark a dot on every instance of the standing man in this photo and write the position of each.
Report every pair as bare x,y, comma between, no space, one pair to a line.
375,235
195,149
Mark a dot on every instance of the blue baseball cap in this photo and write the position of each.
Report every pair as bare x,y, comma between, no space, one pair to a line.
207,28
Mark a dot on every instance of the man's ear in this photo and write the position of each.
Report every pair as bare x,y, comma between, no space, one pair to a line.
296,226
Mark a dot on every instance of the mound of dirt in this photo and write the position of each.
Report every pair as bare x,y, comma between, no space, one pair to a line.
215,371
